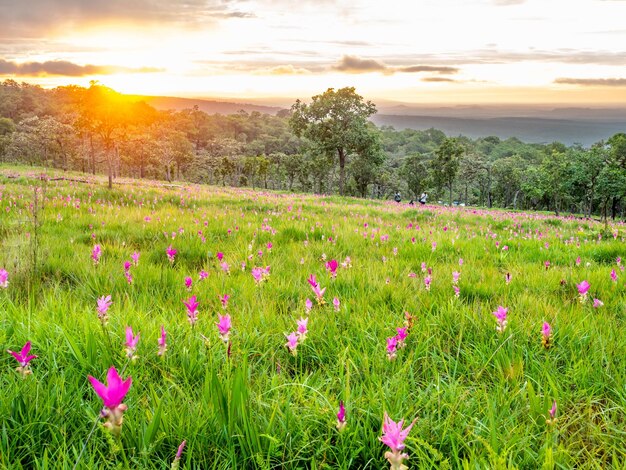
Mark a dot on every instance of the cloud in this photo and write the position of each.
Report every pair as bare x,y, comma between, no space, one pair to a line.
283,70
503,3
439,79
611,82
65,68
354,64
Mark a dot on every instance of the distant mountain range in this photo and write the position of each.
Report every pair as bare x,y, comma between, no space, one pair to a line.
529,123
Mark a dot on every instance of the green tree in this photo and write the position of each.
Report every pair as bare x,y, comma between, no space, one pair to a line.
445,165
336,122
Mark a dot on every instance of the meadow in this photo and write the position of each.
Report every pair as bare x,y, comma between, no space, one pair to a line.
426,313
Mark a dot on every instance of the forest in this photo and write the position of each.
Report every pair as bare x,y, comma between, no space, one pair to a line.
328,146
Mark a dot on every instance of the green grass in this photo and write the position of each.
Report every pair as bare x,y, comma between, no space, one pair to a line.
480,398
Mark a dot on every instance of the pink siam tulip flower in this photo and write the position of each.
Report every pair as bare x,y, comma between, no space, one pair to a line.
269,246
403,332
336,304
546,264
128,276
224,300
23,359
578,261
171,254
257,274
613,275
96,253
224,325
225,267
188,283
331,266
302,328
220,256
392,347
507,278
319,293
434,246
460,261
203,275
500,315
583,288
308,305
192,309
179,454
103,307
131,343
162,342
552,413
427,281
127,265
135,258
597,303
457,291
292,343
546,335
112,395
455,277
341,417
423,267
394,437
4,278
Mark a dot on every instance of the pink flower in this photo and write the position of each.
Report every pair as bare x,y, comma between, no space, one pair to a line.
179,454
546,335
578,261
507,278
131,343
427,281
583,288
308,305
331,266
546,264
434,246
162,341
129,277
552,413
341,417
96,253
336,304
4,278
392,347
112,395
292,343
319,293
127,265
401,336
224,325
23,358
135,258
455,277
192,309
597,303
224,299
220,256
302,328
423,267
171,254
257,274
203,275
500,315
613,275
188,283
225,267
394,437
460,261
103,306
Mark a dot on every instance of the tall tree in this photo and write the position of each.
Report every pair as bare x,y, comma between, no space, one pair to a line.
336,122
446,163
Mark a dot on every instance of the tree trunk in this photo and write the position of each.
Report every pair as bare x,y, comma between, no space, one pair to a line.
342,169
450,192
614,208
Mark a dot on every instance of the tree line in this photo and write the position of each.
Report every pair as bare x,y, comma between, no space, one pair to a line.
327,145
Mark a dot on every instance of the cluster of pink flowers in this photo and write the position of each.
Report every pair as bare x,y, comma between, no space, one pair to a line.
96,253
394,343
500,315
319,292
4,278
104,303
297,337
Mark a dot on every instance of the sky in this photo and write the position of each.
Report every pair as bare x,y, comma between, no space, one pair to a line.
274,51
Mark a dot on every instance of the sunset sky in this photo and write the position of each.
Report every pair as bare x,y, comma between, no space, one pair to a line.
419,51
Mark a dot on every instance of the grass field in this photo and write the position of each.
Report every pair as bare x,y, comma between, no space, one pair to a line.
481,396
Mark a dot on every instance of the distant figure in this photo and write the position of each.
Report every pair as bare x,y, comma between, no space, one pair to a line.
423,198
411,203
397,197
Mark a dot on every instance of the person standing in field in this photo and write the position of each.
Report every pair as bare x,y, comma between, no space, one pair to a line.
423,198
397,197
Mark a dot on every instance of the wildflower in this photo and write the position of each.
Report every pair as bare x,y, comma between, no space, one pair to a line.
392,347
127,265
455,277
23,358
341,417
409,320
220,256
583,288
457,291
224,325
192,309
500,315
546,264
308,305
460,261
112,395
292,343
613,275
302,328
427,281
179,454
135,258
578,261
203,275
597,303
331,266
394,437
552,413
162,342
546,335
128,276
225,267
171,254
224,299
507,278
103,306
96,253
401,336
4,278
434,246
319,293
131,343
423,267
336,304
257,274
